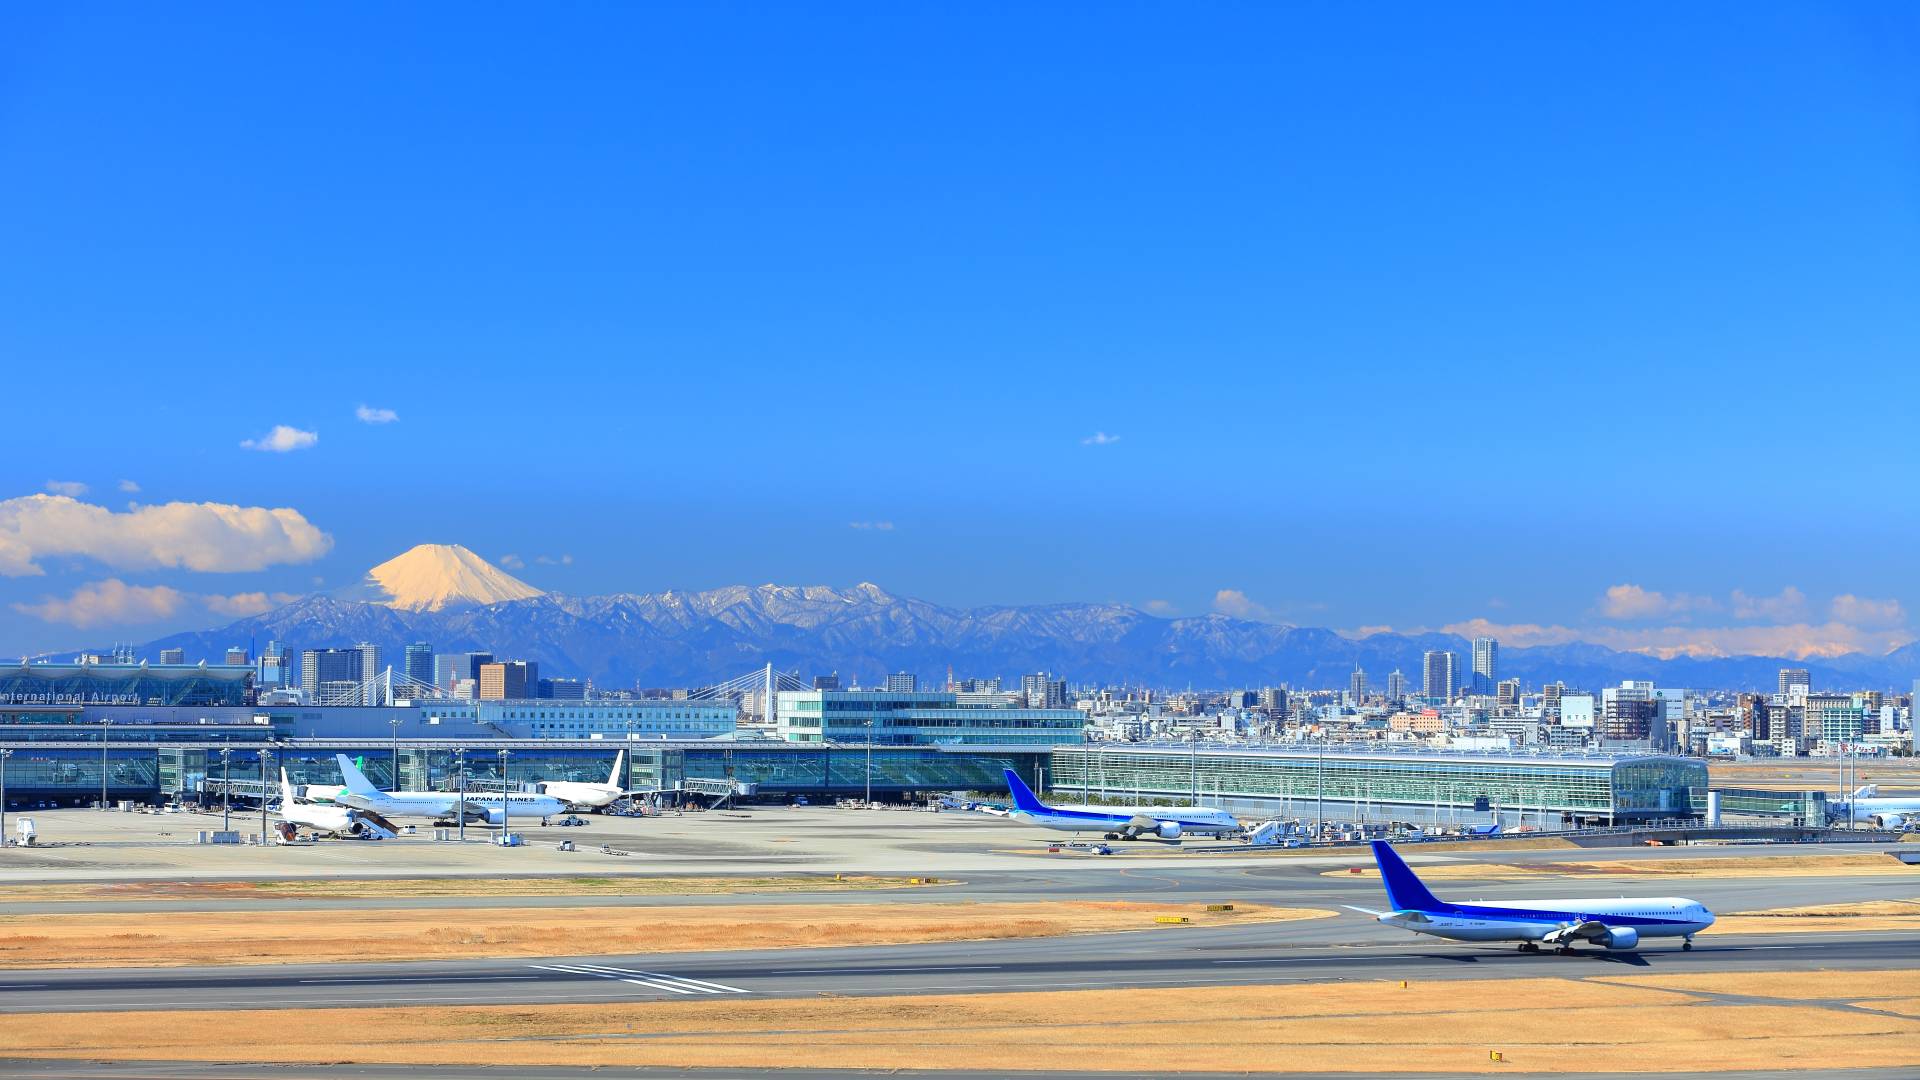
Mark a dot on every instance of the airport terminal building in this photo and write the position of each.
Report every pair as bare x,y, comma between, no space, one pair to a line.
1546,790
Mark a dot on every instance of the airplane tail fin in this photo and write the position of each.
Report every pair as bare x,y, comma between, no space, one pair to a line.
1405,891
286,790
1023,796
355,780
613,778
1867,792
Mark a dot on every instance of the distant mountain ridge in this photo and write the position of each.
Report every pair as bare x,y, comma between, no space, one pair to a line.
679,638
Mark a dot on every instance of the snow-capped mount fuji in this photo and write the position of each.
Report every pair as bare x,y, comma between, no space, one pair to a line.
438,577
446,595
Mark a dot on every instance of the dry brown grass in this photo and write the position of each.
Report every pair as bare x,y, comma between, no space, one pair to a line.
1367,1028
433,888
256,937
1822,918
1786,985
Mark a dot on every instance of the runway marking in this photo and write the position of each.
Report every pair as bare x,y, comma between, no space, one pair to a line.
421,978
678,984
873,970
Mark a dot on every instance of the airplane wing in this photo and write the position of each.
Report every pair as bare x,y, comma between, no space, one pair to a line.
1364,911
1143,823
1585,930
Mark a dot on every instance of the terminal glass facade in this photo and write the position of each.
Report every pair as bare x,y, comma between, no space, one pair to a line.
126,684
898,718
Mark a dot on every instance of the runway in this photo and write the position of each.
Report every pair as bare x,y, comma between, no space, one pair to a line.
1255,955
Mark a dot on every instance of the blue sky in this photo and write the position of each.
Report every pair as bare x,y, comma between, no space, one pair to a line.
1403,316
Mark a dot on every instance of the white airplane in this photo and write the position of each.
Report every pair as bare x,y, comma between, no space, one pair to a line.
331,820
1616,924
1117,822
584,796
492,807
1894,815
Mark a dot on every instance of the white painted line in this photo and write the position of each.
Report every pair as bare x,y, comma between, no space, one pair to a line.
871,970
700,985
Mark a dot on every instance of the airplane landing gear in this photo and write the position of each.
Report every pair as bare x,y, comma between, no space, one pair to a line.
1529,946
1564,950
1113,836
1687,945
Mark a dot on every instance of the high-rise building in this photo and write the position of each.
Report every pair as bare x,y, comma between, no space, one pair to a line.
450,668
1357,685
902,682
1792,677
1628,711
1043,691
1486,665
237,657
274,667
419,662
1396,686
563,689
827,682
1439,675
1507,693
508,680
325,673
173,656
1550,696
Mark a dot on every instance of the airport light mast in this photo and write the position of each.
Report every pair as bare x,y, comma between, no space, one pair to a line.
4,755
506,802
226,788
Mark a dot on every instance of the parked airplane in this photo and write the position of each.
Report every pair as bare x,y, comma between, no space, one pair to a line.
492,807
1618,924
1117,822
1894,815
330,820
585,796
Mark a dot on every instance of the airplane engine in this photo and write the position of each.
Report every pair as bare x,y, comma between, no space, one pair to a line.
1890,822
1169,830
356,827
1619,937
495,816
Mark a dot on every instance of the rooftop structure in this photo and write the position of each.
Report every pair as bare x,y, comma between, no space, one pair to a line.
919,719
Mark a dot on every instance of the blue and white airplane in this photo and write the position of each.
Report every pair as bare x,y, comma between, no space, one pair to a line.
1117,822
1617,924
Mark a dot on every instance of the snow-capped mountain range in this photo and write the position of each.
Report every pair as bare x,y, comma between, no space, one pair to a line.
446,595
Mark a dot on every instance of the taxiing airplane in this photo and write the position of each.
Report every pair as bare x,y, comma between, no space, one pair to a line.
1617,924
331,820
1117,822
492,807
584,796
1892,814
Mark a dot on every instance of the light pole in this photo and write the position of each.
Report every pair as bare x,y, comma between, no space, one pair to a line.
460,785
869,778
103,762
1193,768
4,755
264,755
394,726
506,801
226,788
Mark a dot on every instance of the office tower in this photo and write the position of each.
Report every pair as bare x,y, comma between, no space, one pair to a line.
1507,693
1396,686
275,667
1628,711
1043,691
173,656
902,682
1550,695
1486,663
450,668
1792,677
563,689
508,680
327,673
827,682
237,657
1438,675
419,662
1357,685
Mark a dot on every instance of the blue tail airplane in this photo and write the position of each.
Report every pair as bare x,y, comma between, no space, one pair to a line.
1616,924
1117,822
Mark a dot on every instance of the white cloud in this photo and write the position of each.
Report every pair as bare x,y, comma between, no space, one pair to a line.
876,526
129,487
207,537
108,603
1862,611
1160,607
1789,606
282,439
1100,438
1235,603
554,560
367,414
241,605
1628,602
72,489
513,562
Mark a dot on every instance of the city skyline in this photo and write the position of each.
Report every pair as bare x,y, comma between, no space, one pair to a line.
690,323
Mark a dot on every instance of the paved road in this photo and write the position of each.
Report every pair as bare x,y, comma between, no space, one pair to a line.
1212,957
